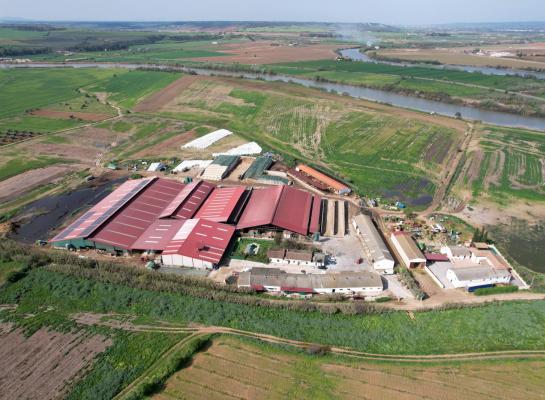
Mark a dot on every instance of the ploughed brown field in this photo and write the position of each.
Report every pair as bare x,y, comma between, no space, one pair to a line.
234,369
267,52
463,56
44,365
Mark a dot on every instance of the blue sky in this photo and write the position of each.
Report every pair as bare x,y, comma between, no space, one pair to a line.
385,11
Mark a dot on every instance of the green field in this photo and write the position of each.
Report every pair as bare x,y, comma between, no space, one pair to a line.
128,87
24,89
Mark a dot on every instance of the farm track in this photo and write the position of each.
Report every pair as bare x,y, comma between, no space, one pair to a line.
450,173
197,330
125,392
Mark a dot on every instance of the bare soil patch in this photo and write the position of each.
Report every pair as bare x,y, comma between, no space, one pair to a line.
166,95
70,115
45,364
14,187
268,52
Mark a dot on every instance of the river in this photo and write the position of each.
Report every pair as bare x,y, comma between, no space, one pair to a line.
381,96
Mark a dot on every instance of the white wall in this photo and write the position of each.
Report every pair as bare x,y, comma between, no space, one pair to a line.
182,261
451,276
385,267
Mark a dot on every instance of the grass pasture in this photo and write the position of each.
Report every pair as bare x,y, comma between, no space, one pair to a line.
246,369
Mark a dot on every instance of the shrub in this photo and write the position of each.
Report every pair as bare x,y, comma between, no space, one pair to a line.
318,350
496,290
407,278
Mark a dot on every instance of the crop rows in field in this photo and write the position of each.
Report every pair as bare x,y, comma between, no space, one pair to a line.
244,369
388,143
509,163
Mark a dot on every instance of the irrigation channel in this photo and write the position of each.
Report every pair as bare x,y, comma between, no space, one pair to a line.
381,96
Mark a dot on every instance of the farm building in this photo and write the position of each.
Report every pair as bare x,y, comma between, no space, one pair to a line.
433,257
220,168
207,140
333,184
198,243
373,244
281,208
273,180
242,150
150,214
156,166
348,283
408,250
258,167
276,256
188,164
220,206
456,252
296,257
471,277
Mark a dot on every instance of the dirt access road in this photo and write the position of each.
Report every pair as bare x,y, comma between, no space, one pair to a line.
91,319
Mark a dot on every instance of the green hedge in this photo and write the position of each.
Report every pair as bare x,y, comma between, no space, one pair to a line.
496,290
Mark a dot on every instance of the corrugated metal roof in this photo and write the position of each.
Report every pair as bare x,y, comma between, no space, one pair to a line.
220,204
282,206
260,208
188,200
201,239
258,167
198,196
315,216
372,239
293,210
93,219
310,282
130,223
408,246
322,177
158,235
479,273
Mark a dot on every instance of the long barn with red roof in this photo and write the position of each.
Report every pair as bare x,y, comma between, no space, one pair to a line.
190,224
